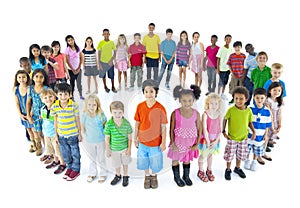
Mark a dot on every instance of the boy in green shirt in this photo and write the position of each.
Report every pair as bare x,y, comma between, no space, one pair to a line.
261,73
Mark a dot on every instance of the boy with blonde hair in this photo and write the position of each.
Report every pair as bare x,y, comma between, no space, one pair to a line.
276,71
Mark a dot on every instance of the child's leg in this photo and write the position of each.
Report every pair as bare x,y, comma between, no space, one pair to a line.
125,170
119,78
238,163
31,136
78,83
88,84
209,161
96,84
200,78
184,75
118,171
196,79
200,163
75,153
125,78
100,157
180,75
176,173
133,71
93,158
186,173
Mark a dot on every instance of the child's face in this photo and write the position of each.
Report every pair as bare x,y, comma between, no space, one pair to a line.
63,96
186,101
117,114
70,41
237,49
213,41
137,39
213,105
151,28
48,100
36,52
183,36
38,79
56,48
22,78
149,93
276,73
106,35
249,49
259,100
26,66
169,35
262,60
122,40
239,100
91,106
228,40
46,54
276,92
89,42
196,38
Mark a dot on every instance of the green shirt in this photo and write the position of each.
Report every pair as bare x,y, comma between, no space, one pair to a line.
259,77
118,135
238,122
106,48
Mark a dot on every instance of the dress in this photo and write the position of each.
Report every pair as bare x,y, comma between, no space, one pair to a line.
22,104
275,109
185,136
196,58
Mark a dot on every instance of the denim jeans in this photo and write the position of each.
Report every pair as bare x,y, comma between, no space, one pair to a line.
211,73
162,71
77,78
136,70
249,85
70,151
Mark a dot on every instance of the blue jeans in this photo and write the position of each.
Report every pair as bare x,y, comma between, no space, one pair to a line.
70,151
162,71
249,85
211,73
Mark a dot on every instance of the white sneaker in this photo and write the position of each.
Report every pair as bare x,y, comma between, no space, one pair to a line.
247,164
253,166
90,178
224,97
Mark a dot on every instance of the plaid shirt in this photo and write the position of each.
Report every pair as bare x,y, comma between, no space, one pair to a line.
51,73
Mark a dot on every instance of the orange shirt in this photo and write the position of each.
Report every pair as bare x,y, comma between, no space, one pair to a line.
150,120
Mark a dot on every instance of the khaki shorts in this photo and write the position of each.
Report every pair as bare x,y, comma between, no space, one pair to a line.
52,148
119,158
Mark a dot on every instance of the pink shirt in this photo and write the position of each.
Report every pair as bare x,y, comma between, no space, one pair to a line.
74,57
212,56
60,72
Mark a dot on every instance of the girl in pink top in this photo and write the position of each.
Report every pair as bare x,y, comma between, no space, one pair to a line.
185,132
210,140
121,62
62,73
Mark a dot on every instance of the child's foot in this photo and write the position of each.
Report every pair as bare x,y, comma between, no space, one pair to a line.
247,164
49,159
73,175
268,149
260,161
147,182
88,92
202,176
106,89
45,157
266,157
81,97
240,172
125,181
253,166
210,176
101,179
60,169
67,173
228,174
52,165
167,86
95,92
90,179
154,181
114,90
116,180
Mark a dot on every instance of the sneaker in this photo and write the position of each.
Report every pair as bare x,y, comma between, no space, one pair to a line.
268,149
228,174
240,172
231,101
167,86
73,175
107,90
224,97
125,181
114,90
101,179
253,165
116,180
270,144
90,178
52,165
60,169
67,173
147,182
81,97
207,93
154,182
247,164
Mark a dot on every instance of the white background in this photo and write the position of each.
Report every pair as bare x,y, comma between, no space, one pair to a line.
269,26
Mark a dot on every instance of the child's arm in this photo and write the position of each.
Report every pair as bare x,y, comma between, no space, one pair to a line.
18,108
28,109
199,129
107,145
77,120
204,129
46,68
68,62
129,61
224,129
81,58
172,127
159,53
279,120
55,127
66,68
54,65
136,131
253,130
128,152
266,134
113,58
97,61
163,136
218,65
202,66
213,144
99,58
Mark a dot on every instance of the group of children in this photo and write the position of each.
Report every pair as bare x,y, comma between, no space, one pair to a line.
52,119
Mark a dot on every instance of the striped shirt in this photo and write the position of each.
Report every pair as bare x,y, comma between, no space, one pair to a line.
236,63
250,64
118,135
183,52
262,120
66,118
90,58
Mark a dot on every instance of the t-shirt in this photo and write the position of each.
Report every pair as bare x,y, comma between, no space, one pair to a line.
151,45
93,127
183,52
118,135
168,47
269,82
211,54
238,122
40,65
236,63
74,57
223,54
66,122
121,53
90,59
106,48
250,64
48,122
150,120
259,77
60,72
136,52
262,120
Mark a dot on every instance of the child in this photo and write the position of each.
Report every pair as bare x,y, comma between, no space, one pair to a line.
182,56
276,71
239,118
261,73
25,65
136,57
152,43
93,120
62,73
33,107
168,51
74,59
236,66
249,64
222,67
185,132
52,65
121,59
90,64
210,140
150,134
51,146
118,142
67,129
36,59
211,63
262,123
196,58
21,84
106,53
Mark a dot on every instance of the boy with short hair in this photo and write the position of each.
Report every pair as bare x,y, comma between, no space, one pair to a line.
106,53
236,66
239,118
262,122
118,142
168,51
52,65
262,72
276,71
150,134
136,60
67,129
25,65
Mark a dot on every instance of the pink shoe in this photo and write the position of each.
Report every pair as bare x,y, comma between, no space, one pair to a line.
67,174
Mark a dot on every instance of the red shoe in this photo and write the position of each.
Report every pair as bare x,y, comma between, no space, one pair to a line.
73,175
67,174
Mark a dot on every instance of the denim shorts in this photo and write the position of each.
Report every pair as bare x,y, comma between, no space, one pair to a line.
149,158
182,63
109,69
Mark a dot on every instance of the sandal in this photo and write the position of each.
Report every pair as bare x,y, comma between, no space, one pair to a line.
202,176
260,161
45,157
49,160
210,176
267,157
53,164
90,178
60,169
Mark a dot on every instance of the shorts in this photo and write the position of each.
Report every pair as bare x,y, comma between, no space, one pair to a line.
150,62
182,63
52,148
122,65
149,157
106,68
257,150
119,158
91,71
224,76
240,149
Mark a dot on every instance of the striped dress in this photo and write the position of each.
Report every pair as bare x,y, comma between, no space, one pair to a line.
183,52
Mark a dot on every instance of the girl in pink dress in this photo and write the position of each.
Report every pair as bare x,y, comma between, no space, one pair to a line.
185,132
121,61
210,140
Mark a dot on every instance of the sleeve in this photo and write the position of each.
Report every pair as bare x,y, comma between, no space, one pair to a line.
251,117
29,92
114,46
103,118
83,118
67,50
269,120
76,109
219,54
283,86
144,49
144,42
52,110
137,114
107,129
163,117
129,50
162,47
246,65
99,47
129,130
229,60
267,85
158,40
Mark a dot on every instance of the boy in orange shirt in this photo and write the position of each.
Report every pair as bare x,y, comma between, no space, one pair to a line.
150,134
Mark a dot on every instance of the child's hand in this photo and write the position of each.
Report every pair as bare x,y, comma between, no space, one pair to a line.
24,118
174,147
108,153
194,147
218,70
110,63
253,136
162,147
116,65
136,143
213,144
68,76
226,136
128,152
79,138
30,119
